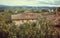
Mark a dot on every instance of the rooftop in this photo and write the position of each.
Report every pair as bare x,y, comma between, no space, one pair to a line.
25,16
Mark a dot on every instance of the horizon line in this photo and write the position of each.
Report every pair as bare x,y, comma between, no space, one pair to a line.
33,5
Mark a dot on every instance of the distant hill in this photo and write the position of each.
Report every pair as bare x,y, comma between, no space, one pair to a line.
6,6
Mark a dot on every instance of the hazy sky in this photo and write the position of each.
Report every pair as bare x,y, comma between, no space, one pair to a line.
30,2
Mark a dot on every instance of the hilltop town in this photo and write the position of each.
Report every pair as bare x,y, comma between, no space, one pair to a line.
30,22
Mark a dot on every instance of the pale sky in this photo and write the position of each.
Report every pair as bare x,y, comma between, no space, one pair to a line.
30,2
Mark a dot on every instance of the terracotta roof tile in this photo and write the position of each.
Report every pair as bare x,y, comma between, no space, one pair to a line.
25,16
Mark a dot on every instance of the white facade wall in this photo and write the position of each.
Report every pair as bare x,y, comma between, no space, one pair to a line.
22,21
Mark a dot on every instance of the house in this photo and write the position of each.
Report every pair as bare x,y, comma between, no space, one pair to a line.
58,11
24,17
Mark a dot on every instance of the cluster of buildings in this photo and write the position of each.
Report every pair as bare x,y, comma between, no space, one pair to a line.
28,17
32,17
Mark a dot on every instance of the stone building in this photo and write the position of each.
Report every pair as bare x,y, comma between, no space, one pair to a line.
24,17
58,11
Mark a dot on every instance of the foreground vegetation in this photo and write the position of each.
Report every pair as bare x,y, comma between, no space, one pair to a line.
39,29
